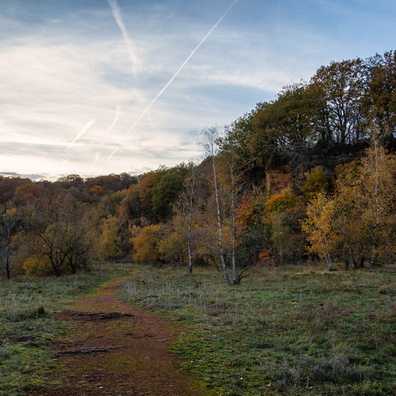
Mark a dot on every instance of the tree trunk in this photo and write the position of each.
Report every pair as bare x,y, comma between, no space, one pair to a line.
190,265
190,216
376,206
7,262
235,278
219,225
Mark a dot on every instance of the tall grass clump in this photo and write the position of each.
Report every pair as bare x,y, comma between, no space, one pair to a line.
283,331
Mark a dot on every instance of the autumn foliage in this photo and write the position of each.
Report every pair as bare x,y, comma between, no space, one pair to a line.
335,134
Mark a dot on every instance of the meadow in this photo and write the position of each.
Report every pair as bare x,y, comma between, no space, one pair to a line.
283,331
28,308
295,330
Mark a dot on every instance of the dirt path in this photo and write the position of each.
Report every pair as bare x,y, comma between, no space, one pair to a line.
115,349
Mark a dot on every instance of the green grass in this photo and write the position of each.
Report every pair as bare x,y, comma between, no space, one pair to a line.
27,323
283,331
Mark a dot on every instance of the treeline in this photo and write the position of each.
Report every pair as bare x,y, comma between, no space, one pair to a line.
309,176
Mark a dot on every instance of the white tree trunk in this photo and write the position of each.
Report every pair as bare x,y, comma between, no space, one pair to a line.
219,223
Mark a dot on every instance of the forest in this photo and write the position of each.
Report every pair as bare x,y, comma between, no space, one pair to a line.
308,177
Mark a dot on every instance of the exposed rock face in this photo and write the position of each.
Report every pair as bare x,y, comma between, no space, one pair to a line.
278,179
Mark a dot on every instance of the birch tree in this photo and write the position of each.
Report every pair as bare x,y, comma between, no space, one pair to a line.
231,176
185,212
210,144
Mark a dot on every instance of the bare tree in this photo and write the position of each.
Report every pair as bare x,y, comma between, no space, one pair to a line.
184,210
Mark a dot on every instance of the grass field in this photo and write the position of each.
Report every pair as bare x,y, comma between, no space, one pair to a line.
283,331
27,324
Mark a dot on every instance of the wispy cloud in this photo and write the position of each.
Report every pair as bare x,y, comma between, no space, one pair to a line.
79,77
174,75
128,41
81,133
99,147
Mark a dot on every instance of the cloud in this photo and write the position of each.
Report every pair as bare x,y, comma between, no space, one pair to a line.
128,41
65,64
81,133
163,89
32,176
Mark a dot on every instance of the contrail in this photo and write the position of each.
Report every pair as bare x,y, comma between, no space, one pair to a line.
82,132
98,153
174,76
115,9
117,116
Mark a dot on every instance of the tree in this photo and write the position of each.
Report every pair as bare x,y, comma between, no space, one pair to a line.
146,242
171,247
351,234
210,144
70,180
358,224
290,118
130,209
185,210
8,186
342,86
242,133
65,247
27,193
365,198
381,94
318,226
111,239
165,192
60,234
146,186
230,178
10,224
282,218
316,182
377,186
298,110
110,204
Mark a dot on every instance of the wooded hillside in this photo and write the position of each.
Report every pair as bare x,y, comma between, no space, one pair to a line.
307,177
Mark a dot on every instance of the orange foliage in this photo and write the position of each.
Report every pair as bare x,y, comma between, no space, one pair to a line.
245,213
315,183
96,190
265,257
281,202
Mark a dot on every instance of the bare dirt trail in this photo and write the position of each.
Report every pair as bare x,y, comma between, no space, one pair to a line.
113,348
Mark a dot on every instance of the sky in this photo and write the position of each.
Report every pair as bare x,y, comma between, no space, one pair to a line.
94,87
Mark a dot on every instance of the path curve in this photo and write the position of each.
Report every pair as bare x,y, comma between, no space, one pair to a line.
113,348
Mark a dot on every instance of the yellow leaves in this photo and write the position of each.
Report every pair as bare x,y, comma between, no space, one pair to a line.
171,247
318,225
110,246
146,243
281,202
11,211
357,223
315,183
37,266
